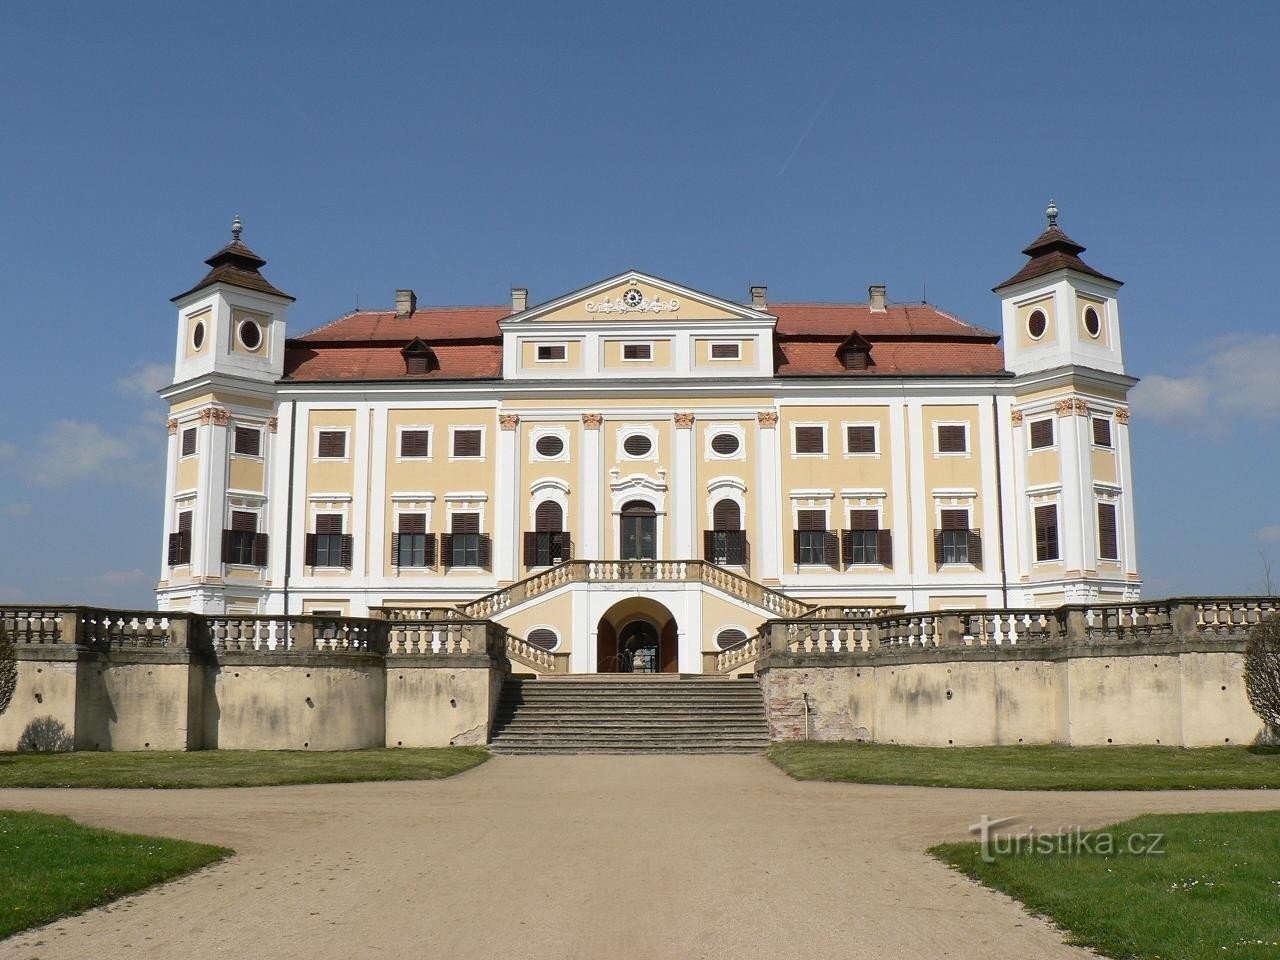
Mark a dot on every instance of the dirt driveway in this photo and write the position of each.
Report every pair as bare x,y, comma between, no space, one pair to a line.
575,857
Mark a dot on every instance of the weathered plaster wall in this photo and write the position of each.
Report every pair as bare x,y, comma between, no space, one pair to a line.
46,688
434,705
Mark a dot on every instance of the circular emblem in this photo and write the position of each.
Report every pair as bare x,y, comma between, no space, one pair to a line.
633,297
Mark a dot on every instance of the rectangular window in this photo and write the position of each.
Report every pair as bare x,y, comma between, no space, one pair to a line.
465,540
1041,433
1108,538
331,444
329,546
810,440
726,351
811,537
1101,432
180,541
242,544
953,438
411,545
415,443
862,539
953,539
551,351
861,439
248,441
1046,533
637,351
189,442
466,443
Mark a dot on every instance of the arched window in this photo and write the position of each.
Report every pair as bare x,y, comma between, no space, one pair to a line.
639,531
548,518
726,515
547,542
728,637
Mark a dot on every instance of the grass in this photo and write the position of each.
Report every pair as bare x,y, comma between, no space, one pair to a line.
51,866
232,768
1215,891
1034,767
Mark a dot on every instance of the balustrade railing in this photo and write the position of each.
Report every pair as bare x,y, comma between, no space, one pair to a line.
1231,617
104,629
254,633
34,624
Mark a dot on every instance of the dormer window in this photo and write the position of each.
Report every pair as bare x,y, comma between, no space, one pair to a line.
855,353
419,358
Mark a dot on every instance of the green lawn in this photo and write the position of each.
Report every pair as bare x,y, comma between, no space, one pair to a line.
1215,891
52,866
1034,767
232,768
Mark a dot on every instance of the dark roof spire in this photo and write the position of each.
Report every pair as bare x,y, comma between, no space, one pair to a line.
237,265
1053,250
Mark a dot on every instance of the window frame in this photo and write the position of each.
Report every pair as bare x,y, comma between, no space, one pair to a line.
810,542
949,535
938,426
871,425
536,436
735,344
194,432
248,428
626,345
795,439
465,544
1115,526
1052,534
1093,432
1053,433
346,444
563,347
467,428
626,433
332,542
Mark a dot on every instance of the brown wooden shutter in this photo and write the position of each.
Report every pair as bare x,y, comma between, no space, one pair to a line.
636,351
180,542
884,547
955,519
175,546
1046,524
259,549
725,515
727,638
1108,538
184,521
466,443
332,443
975,547
413,523
188,441
348,543
226,546
952,438
856,358
465,523
566,548
861,439
937,548
328,523
709,545
485,551
243,521
831,548
542,637
725,351
1041,433
309,551
1101,432
809,440
548,518
811,520
724,444
248,441
446,550
864,520
429,550
795,545
846,547
395,548
530,549
416,362
414,443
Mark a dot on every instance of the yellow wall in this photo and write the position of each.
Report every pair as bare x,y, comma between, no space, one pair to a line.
247,473
1083,302
660,351
572,353
702,353
556,612
688,309
205,316
331,476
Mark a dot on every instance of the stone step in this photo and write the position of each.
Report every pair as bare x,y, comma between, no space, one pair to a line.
623,741
631,749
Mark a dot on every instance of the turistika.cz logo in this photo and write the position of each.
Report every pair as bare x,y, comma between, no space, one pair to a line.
1066,842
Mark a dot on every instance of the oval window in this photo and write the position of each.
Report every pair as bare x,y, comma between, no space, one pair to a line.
197,335
250,335
1092,322
725,444
549,446
1037,324
727,638
544,638
637,445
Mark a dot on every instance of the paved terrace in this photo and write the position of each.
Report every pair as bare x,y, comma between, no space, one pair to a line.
576,857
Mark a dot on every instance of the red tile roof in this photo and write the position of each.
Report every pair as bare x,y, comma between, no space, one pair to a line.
905,340
1053,250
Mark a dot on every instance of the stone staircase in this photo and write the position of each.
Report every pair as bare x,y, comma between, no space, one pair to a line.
618,713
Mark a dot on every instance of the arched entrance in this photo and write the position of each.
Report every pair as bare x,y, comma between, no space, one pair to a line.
637,635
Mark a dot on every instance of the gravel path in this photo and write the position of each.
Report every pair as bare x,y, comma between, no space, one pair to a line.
575,857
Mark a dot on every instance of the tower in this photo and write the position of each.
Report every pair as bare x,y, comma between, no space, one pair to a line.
222,418
1070,426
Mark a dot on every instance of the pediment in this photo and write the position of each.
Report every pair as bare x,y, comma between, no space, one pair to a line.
636,297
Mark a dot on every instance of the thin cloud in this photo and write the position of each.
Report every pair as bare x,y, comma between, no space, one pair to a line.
1237,379
16,510
1269,533
145,379
72,450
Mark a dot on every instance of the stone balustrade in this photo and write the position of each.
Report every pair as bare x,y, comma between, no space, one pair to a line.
23,625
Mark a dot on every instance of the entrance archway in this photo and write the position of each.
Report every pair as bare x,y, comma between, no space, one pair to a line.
637,635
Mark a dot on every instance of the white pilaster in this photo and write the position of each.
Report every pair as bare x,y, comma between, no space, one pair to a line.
506,520
359,516
170,488
379,549
921,500
766,561
683,492
1071,533
1124,504
590,490
277,445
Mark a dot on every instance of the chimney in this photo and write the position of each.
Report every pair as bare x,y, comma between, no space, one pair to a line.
758,295
875,297
406,303
519,299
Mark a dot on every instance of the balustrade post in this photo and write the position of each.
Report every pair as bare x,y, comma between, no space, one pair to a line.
69,626
1077,626
179,632
709,662
949,630
304,635
1183,617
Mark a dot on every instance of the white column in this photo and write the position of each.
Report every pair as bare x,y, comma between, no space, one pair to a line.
211,506
921,445
1019,516
359,516
766,561
987,467
1124,504
684,494
902,524
1071,533
379,555
590,492
277,447
506,521
170,488
689,631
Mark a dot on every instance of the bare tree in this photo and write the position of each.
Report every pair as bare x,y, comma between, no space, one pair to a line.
8,671
1268,584
1262,671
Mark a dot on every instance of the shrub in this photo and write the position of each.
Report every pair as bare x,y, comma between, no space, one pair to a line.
8,671
45,735
1262,672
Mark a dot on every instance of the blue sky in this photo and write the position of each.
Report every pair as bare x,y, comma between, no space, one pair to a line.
463,148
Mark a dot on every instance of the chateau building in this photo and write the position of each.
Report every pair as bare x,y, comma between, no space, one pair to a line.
637,472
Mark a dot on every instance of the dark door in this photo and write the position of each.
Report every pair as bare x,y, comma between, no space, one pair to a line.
638,648
639,531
